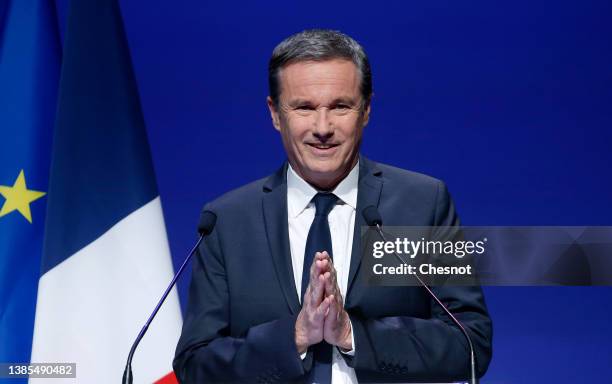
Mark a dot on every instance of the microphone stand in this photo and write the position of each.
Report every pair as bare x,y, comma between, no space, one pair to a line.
127,373
473,377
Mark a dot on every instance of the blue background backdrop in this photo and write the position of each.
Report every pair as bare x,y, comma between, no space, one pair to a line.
509,103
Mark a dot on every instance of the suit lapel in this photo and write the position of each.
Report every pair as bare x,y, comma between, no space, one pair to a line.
274,207
368,193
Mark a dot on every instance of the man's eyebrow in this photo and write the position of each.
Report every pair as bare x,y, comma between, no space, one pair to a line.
345,100
340,100
296,102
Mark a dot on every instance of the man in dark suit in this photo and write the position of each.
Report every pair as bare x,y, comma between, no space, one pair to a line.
275,294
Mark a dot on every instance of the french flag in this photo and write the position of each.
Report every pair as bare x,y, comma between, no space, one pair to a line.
106,258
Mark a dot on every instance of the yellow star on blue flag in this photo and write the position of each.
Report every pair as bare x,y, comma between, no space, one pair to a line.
18,197
30,59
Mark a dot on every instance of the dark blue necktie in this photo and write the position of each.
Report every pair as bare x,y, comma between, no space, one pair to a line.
319,240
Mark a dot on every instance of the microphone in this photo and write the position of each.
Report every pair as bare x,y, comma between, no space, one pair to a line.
373,219
206,225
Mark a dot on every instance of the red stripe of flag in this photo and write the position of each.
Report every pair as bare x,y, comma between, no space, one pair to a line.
168,379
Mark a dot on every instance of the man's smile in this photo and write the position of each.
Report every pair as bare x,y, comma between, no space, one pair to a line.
323,148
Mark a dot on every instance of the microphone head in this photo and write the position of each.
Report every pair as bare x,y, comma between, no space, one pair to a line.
207,223
371,216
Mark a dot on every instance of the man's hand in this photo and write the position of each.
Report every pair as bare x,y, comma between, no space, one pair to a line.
337,326
311,319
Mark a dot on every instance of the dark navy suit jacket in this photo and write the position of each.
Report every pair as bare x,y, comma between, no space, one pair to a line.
243,302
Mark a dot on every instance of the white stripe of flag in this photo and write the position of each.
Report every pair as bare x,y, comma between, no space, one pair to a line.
92,305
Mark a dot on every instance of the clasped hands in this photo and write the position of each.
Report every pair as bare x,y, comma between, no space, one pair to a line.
322,316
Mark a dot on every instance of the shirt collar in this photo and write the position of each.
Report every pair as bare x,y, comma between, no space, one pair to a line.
300,193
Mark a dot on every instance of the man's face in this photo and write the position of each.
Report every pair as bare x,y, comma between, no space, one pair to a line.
320,116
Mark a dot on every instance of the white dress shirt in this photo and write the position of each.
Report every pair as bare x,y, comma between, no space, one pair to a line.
301,212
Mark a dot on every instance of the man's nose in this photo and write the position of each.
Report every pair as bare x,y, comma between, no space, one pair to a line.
323,124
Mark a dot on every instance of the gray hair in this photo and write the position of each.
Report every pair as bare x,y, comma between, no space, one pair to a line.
319,45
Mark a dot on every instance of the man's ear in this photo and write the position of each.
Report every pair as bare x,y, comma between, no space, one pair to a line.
366,113
273,113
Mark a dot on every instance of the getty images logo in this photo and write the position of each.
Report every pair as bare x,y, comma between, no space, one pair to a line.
411,248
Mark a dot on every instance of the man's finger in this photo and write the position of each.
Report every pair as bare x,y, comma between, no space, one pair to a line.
319,264
331,284
315,269
322,265
324,307
333,271
317,287
325,255
332,314
327,285
313,266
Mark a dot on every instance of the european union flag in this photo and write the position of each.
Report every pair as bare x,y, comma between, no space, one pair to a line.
30,54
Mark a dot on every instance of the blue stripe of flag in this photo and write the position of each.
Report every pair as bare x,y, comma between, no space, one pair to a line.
102,168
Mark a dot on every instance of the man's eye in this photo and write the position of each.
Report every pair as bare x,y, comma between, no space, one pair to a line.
305,108
341,106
